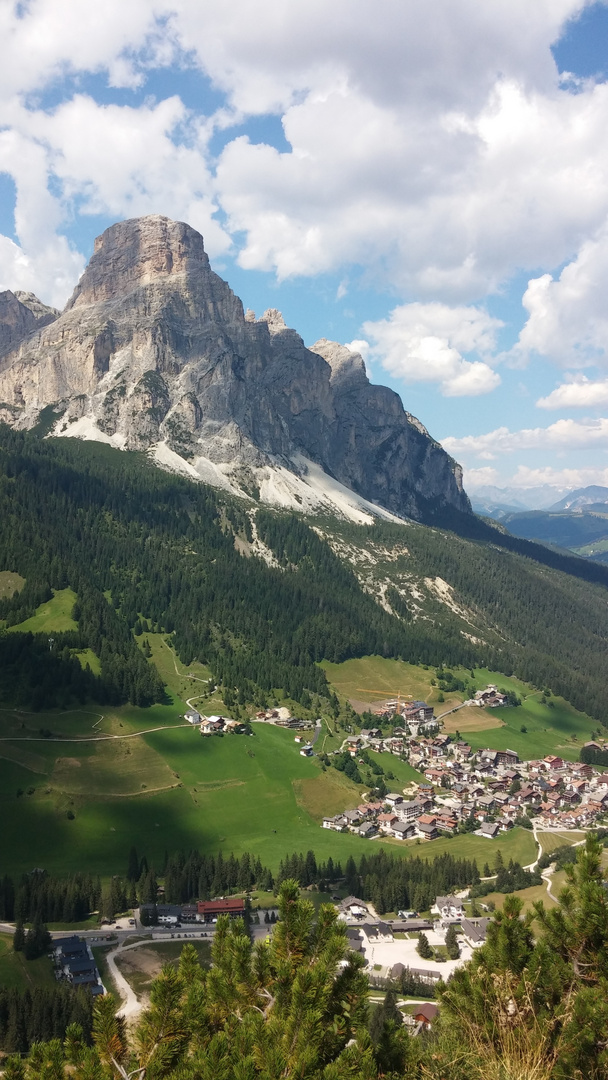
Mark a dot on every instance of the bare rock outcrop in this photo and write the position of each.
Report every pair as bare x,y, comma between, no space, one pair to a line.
154,350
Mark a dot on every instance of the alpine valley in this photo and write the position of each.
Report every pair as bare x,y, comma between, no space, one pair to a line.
195,509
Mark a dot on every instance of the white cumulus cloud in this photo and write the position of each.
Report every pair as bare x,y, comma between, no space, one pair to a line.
562,435
564,479
568,320
426,343
578,393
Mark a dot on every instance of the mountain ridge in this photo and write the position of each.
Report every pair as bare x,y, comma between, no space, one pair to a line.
155,352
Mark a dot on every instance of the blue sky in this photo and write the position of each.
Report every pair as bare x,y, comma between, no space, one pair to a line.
428,183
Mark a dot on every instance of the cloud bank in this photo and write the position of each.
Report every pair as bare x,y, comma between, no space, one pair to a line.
438,175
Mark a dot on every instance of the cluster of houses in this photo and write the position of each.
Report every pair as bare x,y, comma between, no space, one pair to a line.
204,911
490,698
281,717
214,725
75,964
490,789
417,716
372,937
364,930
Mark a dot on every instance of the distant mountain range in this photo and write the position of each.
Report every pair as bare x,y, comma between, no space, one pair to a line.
577,522
582,497
499,502
496,502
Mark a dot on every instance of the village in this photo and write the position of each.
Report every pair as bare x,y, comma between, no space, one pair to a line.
487,792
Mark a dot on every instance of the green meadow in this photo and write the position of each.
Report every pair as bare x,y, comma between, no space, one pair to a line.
552,728
71,800
10,583
54,616
232,794
20,974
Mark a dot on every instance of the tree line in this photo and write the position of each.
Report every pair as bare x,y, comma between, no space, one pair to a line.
136,543
41,1014
41,897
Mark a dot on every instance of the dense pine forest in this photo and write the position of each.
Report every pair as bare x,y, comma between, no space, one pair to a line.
134,541
141,547
389,881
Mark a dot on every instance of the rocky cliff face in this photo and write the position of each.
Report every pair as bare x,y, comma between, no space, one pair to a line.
153,351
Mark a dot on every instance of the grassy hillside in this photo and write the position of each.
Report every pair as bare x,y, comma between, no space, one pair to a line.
54,616
554,727
155,590
237,794
10,583
20,974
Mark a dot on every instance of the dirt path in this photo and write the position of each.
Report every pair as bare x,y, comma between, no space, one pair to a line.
182,674
91,738
546,876
191,699
132,1005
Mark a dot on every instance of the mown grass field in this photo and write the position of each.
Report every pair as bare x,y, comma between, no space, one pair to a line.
20,974
550,841
533,894
518,844
551,728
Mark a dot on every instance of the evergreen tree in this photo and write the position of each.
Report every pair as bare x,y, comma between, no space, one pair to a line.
451,943
19,938
423,947
133,868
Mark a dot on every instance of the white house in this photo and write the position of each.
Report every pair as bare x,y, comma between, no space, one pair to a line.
449,908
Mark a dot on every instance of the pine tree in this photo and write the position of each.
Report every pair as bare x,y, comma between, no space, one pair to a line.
133,867
423,948
451,943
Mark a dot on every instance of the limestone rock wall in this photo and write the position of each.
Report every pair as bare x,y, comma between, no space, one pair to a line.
154,348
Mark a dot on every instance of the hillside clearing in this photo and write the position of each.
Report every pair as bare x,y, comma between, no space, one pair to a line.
10,583
554,727
20,974
54,616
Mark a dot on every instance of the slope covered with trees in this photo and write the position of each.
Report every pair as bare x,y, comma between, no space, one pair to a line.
143,548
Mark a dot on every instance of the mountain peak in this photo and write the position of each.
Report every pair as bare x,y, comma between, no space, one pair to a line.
154,352
345,365
138,252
